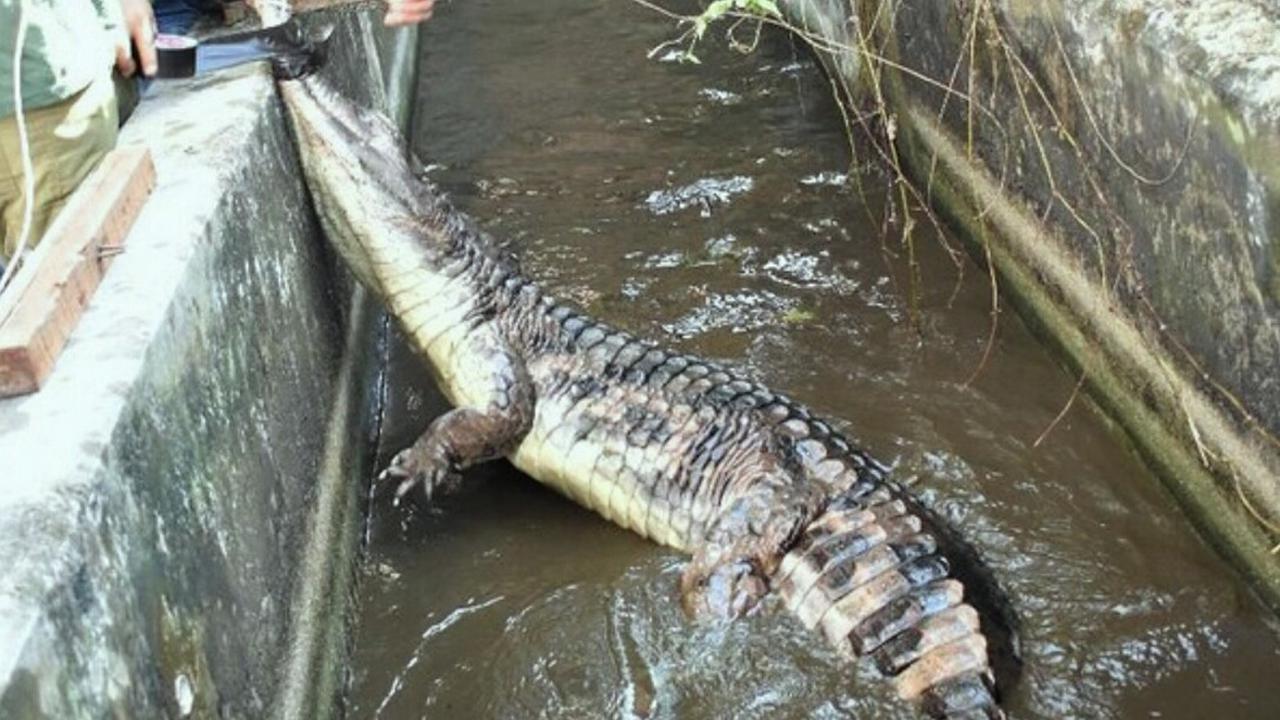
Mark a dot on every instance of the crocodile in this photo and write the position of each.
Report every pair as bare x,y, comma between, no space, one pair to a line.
768,499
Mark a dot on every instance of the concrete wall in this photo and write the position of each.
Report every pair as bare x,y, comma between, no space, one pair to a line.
177,505
1120,162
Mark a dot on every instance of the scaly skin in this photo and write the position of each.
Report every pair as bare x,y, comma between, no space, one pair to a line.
764,496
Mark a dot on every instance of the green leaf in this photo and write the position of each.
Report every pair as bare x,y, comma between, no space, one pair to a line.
718,8
798,316
768,8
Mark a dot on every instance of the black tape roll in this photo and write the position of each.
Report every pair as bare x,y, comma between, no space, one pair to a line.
175,56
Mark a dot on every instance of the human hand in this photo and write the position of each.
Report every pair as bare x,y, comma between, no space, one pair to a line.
408,12
139,31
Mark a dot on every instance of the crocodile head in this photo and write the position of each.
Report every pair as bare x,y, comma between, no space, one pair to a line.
372,207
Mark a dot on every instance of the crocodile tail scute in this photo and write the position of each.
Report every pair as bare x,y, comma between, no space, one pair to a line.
867,574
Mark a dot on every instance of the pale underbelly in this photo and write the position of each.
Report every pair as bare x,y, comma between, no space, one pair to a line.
597,468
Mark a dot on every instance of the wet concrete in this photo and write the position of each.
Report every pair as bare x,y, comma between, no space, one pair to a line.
165,512
708,206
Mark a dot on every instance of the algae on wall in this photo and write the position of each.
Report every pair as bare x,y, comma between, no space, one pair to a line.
1119,164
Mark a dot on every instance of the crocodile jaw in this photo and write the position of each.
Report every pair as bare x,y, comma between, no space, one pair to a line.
361,182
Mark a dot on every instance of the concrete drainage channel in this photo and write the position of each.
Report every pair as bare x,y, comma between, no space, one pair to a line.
177,516
176,507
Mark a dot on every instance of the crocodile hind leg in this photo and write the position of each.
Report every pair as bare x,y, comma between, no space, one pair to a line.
729,574
498,417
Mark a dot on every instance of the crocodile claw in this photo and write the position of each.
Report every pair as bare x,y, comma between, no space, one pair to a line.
728,590
412,466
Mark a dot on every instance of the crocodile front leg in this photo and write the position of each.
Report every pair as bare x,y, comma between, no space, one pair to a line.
498,415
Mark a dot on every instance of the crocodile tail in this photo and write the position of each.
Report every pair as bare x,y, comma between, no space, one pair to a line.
871,577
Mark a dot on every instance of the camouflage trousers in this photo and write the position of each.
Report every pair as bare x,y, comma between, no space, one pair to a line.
67,140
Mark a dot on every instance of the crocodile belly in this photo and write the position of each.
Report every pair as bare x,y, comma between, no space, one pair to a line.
600,452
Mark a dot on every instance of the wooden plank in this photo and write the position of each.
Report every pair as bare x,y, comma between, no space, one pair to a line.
19,282
298,7
50,292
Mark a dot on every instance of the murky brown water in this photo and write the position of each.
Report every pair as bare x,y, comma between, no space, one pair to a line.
703,205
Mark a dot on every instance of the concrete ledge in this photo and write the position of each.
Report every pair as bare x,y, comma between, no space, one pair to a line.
158,497
1120,161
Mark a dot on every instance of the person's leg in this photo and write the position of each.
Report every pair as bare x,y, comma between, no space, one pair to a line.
10,193
67,141
174,17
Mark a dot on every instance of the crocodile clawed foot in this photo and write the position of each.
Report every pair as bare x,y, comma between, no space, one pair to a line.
726,591
419,466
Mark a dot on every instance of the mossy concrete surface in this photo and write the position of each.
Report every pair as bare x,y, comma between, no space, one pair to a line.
1119,160
176,505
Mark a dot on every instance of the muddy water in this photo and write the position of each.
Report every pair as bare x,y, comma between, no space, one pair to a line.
707,206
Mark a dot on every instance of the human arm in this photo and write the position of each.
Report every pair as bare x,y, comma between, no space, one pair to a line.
138,30
408,12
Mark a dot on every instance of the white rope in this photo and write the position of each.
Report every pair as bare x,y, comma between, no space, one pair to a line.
28,173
